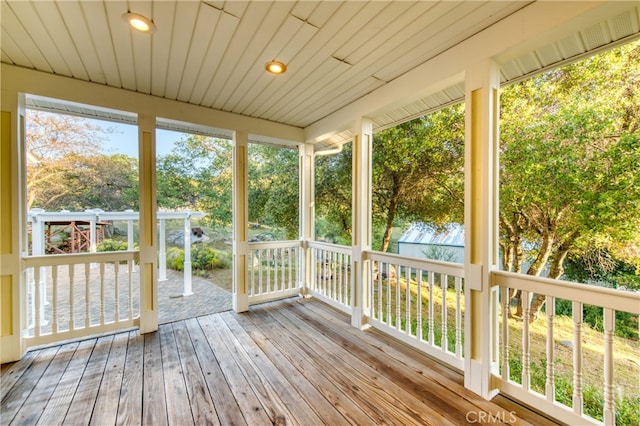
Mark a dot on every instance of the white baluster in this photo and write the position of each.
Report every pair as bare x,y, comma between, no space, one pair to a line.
526,347
577,358
260,271
458,345
388,295
398,310
116,273
131,245
54,284
72,273
444,338
550,383
102,304
432,336
419,304
87,295
407,276
39,311
505,332
609,402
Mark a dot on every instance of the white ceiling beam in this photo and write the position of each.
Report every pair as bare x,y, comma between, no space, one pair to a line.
20,80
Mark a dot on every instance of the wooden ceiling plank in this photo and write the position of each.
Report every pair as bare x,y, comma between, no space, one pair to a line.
305,33
184,21
141,45
312,113
202,43
78,27
321,77
5,57
236,8
11,49
121,39
381,23
256,72
303,9
240,41
224,31
100,34
253,57
317,50
55,25
163,12
323,12
40,36
18,28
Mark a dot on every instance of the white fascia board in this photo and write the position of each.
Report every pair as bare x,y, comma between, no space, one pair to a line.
535,25
23,80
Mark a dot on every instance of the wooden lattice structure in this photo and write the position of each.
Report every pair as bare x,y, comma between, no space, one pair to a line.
71,236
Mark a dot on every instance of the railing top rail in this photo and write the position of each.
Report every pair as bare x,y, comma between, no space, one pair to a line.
79,258
619,300
274,244
437,266
45,216
330,247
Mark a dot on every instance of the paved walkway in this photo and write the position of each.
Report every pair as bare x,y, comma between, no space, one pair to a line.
206,299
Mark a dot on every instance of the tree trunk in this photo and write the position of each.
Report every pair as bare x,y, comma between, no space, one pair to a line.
391,216
537,266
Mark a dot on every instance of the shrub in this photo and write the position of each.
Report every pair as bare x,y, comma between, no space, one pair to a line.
114,245
203,258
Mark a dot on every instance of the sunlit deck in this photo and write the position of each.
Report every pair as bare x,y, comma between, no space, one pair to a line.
289,362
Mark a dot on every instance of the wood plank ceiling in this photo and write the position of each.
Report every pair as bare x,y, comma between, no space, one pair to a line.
212,53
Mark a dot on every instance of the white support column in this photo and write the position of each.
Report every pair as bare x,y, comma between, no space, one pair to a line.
187,291
13,235
240,221
148,207
162,254
361,195
481,225
307,215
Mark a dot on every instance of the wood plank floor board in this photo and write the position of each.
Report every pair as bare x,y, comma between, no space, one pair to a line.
336,395
374,389
84,399
35,404
154,399
316,400
202,407
20,391
438,397
423,365
130,403
227,409
108,397
246,398
11,372
56,410
178,406
292,362
278,411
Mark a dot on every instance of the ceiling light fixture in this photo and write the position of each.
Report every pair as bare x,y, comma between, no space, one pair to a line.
275,67
139,22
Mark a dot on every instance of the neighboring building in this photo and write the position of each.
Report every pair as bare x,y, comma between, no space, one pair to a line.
428,241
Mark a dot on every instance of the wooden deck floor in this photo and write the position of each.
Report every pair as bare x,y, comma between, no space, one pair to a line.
288,362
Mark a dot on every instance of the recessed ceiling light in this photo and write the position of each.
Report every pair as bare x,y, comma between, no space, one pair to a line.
275,67
139,22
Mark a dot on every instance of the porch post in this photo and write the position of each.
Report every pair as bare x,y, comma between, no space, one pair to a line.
187,273
162,255
240,221
481,223
361,208
307,215
148,207
12,221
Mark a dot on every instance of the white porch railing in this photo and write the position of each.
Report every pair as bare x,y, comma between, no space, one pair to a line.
273,270
331,274
83,299
420,302
578,295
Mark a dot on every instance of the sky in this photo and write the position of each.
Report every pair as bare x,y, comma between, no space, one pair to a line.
123,139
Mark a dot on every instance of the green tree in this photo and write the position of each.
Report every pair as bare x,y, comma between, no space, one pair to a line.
570,162
197,175
418,171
